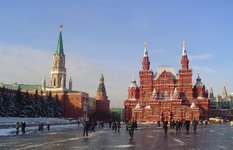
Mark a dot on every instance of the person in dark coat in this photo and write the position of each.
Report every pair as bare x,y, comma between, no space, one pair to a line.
85,128
114,126
158,123
177,126
118,126
187,125
48,126
172,125
195,122
17,128
23,126
131,126
206,122
165,127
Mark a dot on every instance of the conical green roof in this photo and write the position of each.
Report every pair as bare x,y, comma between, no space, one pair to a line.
60,50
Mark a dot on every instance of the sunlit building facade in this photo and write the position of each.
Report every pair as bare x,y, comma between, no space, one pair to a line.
166,94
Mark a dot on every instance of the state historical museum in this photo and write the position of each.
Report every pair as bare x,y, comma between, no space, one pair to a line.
166,94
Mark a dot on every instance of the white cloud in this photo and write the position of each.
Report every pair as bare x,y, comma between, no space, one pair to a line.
23,64
201,57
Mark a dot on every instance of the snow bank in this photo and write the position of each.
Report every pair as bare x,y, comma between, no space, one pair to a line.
7,124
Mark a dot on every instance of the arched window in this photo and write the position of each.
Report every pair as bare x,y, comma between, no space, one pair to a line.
145,94
54,82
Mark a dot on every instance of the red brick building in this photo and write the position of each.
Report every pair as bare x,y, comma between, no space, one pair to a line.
166,94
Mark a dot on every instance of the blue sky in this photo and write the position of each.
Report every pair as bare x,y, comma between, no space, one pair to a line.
108,36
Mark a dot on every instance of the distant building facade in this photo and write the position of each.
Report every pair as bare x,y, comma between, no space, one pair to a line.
221,105
166,94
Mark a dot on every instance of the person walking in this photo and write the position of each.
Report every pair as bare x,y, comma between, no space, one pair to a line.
165,127
187,125
17,128
177,126
85,128
114,126
118,126
23,126
206,122
195,122
48,126
131,126
158,124
172,125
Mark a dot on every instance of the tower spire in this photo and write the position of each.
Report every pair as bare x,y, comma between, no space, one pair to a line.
58,70
60,50
145,49
184,58
145,61
133,82
225,95
70,84
184,51
211,95
101,91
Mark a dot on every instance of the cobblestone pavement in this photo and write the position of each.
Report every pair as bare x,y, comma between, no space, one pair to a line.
146,137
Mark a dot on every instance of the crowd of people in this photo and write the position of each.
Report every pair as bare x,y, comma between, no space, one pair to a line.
114,125
21,125
131,126
176,125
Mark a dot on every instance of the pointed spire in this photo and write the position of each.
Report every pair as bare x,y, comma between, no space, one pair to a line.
70,84
145,49
102,78
211,95
145,61
60,50
198,82
133,82
225,95
101,91
184,51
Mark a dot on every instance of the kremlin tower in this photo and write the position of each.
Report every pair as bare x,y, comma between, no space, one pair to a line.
75,104
102,102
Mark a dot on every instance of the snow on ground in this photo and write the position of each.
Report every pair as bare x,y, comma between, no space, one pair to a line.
8,124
